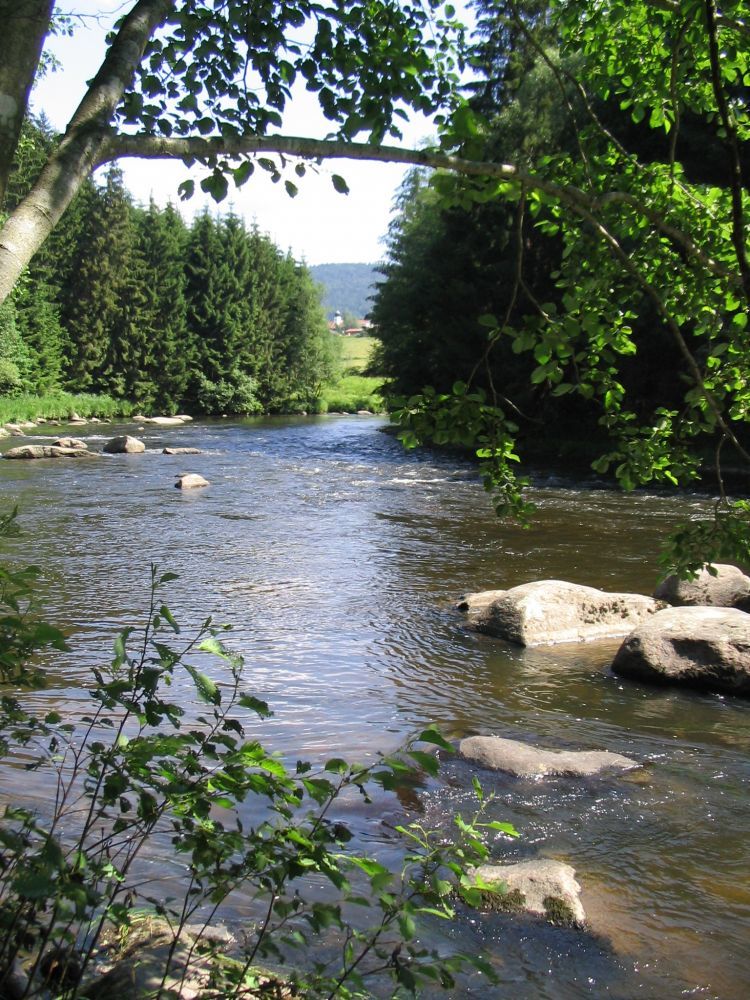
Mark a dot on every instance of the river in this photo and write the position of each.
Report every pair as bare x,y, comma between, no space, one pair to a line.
337,557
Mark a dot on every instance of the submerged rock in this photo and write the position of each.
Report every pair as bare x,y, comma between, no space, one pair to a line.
191,481
524,761
47,451
728,588
181,451
553,611
697,647
543,887
124,445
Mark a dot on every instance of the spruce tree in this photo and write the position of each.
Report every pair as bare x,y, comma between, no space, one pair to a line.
163,331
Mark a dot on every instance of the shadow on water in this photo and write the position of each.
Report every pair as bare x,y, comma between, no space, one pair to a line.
338,558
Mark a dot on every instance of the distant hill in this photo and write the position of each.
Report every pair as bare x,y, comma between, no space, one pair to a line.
347,287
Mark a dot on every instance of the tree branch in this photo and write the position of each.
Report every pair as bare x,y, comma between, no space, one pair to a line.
150,147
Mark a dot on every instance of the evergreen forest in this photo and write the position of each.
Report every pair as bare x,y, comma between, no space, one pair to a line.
132,303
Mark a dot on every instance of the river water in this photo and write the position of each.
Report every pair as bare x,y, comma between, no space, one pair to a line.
337,557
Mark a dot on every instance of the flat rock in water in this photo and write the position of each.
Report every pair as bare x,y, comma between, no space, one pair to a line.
69,443
553,611
4,433
181,451
163,421
191,481
727,587
184,417
696,647
124,445
524,761
46,451
544,887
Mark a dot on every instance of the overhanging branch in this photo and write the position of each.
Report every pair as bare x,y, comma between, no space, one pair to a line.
119,146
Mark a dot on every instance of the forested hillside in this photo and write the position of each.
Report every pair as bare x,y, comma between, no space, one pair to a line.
134,303
347,288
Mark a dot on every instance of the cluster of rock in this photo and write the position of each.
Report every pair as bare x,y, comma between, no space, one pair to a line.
543,887
125,444
695,633
704,641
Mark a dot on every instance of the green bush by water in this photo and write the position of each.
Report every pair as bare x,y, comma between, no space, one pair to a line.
132,773
61,406
352,393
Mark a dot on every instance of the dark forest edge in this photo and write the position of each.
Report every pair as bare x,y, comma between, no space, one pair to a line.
132,305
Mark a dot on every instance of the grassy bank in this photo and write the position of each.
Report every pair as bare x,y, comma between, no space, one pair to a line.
61,406
351,393
352,390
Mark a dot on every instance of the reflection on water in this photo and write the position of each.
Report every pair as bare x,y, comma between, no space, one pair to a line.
338,557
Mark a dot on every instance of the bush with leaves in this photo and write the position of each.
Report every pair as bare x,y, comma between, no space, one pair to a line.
141,769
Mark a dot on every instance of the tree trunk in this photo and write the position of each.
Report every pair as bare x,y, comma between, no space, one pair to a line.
79,152
24,29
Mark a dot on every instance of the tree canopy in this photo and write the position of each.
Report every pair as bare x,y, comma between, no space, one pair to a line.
646,232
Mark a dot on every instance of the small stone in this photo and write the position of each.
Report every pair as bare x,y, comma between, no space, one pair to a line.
191,481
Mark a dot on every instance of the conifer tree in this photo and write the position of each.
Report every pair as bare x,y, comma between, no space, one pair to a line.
164,365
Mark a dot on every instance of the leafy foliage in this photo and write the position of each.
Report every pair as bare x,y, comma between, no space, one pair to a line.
647,319
142,768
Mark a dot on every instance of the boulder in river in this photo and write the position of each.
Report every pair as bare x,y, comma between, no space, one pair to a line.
191,481
124,445
553,611
69,443
726,587
181,451
184,417
4,433
46,451
697,647
525,761
163,421
543,887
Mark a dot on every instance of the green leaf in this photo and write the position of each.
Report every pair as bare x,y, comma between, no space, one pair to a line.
339,184
207,689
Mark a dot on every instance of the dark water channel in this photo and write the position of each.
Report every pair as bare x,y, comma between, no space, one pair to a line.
337,558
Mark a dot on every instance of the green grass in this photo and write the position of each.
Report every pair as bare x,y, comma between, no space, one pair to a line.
61,406
355,352
352,393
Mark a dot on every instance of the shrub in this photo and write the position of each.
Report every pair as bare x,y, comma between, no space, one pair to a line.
140,767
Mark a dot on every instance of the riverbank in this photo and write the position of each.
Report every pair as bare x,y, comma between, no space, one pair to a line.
62,406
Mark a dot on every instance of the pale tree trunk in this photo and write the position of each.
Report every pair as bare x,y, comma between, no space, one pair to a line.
24,25
79,151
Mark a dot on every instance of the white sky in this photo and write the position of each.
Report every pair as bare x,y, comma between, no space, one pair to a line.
319,225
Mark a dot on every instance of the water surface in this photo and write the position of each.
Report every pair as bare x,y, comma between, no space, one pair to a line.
338,557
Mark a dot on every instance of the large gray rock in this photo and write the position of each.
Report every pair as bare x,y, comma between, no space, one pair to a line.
553,611
526,761
543,887
698,647
125,445
46,451
729,588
